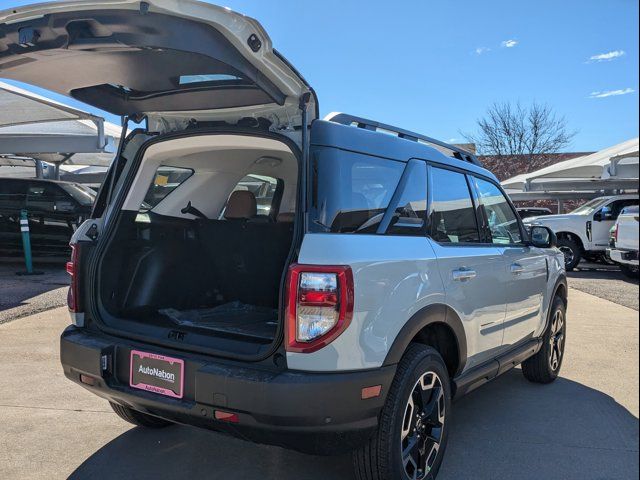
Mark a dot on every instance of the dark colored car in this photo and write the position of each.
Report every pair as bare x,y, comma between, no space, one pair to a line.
526,212
54,210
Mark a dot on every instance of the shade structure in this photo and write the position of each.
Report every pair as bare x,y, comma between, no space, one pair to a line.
35,127
614,168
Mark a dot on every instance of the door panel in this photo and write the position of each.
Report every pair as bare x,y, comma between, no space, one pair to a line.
524,272
472,272
479,299
525,277
50,230
601,229
12,200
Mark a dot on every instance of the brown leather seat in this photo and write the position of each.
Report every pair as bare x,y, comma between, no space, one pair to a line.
286,217
241,204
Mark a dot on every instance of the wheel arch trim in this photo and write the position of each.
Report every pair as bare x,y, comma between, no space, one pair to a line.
429,315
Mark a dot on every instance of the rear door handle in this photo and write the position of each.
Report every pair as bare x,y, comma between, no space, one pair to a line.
464,274
516,268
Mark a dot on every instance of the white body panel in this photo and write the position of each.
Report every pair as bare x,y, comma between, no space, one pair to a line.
394,277
628,231
627,240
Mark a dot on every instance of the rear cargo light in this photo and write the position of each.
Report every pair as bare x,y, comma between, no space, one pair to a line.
319,306
73,296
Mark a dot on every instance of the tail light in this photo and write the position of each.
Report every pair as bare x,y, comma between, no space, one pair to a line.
73,296
319,306
614,234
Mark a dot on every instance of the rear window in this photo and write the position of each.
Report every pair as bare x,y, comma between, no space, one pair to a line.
165,181
349,191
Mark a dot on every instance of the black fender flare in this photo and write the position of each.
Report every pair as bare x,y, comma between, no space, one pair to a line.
560,282
435,313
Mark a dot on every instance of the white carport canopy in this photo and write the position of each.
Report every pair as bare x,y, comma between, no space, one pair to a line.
614,168
38,128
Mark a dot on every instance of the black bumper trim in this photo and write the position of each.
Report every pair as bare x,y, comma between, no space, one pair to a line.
311,412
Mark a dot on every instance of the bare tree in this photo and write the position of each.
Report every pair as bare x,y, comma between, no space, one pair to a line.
511,129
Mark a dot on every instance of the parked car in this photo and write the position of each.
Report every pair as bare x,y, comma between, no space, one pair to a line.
623,248
386,277
54,210
585,231
526,212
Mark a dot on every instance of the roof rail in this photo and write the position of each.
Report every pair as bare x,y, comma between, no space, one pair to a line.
452,150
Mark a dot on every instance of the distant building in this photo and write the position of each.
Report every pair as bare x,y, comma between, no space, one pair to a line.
507,166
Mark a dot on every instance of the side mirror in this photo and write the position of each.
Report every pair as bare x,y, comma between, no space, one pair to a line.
543,237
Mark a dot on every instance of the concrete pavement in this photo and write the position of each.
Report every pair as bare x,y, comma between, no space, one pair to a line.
584,426
25,295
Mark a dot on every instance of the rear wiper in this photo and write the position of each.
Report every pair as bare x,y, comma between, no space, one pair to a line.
190,209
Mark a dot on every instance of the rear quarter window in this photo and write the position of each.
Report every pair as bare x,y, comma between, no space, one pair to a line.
350,191
165,181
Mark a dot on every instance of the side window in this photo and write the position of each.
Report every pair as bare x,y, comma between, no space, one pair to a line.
349,191
43,197
453,217
503,223
12,196
410,214
165,181
263,188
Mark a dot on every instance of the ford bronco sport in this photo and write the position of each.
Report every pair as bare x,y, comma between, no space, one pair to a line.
323,285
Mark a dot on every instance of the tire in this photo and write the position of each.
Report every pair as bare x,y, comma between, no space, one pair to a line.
545,365
381,458
572,252
630,271
138,418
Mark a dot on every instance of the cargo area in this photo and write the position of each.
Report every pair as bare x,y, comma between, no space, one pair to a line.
202,244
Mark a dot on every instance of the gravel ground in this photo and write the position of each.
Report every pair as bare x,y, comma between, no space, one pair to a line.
606,282
25,295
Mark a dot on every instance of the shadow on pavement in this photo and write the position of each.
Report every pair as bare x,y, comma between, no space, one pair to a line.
20,291
510,429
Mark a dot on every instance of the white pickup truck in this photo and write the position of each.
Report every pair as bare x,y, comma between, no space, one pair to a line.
585,231
624,241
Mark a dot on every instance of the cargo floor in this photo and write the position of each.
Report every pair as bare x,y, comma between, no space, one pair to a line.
235,318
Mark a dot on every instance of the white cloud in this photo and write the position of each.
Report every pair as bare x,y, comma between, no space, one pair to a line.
607,57
481,50
611,93
509,43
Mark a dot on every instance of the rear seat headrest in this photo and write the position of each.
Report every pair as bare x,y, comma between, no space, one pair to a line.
241,204
286,217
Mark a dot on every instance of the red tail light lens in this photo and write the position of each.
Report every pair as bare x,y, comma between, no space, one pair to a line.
319,306
615,233
73,296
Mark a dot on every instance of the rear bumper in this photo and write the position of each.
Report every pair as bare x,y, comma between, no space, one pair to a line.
629,257
309,412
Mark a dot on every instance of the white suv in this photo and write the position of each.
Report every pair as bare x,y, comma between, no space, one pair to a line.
384,274
585,231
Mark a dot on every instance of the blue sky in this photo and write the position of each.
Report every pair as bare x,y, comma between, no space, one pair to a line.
434,67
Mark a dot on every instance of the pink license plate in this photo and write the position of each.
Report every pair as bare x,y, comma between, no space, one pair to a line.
157,373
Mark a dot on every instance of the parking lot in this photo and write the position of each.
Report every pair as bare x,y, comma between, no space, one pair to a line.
51,428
